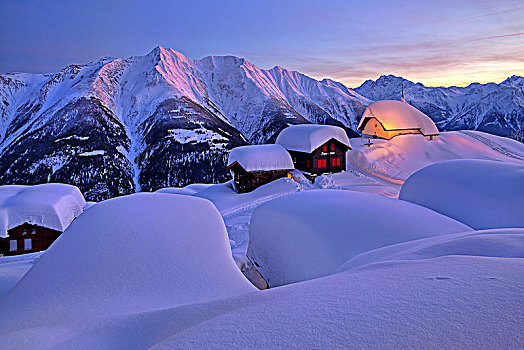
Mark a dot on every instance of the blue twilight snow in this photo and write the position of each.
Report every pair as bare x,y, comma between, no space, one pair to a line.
310,234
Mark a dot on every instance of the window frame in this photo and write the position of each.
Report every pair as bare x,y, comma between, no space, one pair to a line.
28,246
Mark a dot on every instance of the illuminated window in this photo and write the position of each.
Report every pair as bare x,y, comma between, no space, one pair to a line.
324,163
28,244
332,146
324,148
13,245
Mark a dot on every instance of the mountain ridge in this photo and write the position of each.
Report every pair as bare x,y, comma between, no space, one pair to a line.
117,125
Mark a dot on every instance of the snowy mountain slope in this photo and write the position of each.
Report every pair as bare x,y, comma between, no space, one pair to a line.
140,121
493,108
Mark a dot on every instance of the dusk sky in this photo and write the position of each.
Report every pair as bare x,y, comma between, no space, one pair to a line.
446,42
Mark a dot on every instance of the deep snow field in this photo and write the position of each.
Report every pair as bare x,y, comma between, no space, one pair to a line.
419,244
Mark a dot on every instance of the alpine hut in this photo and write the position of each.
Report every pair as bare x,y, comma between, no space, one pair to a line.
32,217
389,118
316,148
256,165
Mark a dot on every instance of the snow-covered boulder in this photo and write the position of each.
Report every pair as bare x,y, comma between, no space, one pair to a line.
308,137
129,254
261,158
310,234
53,206
480,193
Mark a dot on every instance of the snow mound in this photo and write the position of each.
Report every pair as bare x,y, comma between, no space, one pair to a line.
53,206
450,302
482,194
394,115
129,254
396,159
308,137
310,234
187,190
261,158
502,243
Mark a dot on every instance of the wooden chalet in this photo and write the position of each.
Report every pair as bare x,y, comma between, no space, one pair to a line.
316,149
389,118
256,165
33,217
28,238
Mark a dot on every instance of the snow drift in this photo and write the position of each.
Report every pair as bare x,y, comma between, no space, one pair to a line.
53,206
496,243
310,234
129,254
482,194
448,302
396,159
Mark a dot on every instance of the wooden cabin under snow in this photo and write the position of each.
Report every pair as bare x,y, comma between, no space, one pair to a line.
256,165
390,118
315,148
33,217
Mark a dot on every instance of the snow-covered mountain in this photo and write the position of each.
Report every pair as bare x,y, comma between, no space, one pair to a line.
116,125
493,108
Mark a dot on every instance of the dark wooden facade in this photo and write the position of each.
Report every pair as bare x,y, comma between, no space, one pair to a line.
328,158
247,181
27,238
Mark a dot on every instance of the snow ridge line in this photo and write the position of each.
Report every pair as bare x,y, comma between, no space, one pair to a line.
373,176
494,146
226,214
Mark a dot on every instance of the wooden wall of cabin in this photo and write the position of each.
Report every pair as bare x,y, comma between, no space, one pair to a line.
328,158
248,181
375,129
29,239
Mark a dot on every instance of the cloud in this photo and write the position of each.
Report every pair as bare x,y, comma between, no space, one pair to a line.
497,13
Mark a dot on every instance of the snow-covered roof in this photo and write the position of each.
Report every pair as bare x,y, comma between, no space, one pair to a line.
53,206
308,137
398,115
261,157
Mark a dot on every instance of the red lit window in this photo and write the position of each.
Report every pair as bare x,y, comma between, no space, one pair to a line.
333,161
324,163
324,148
319,163
332,146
